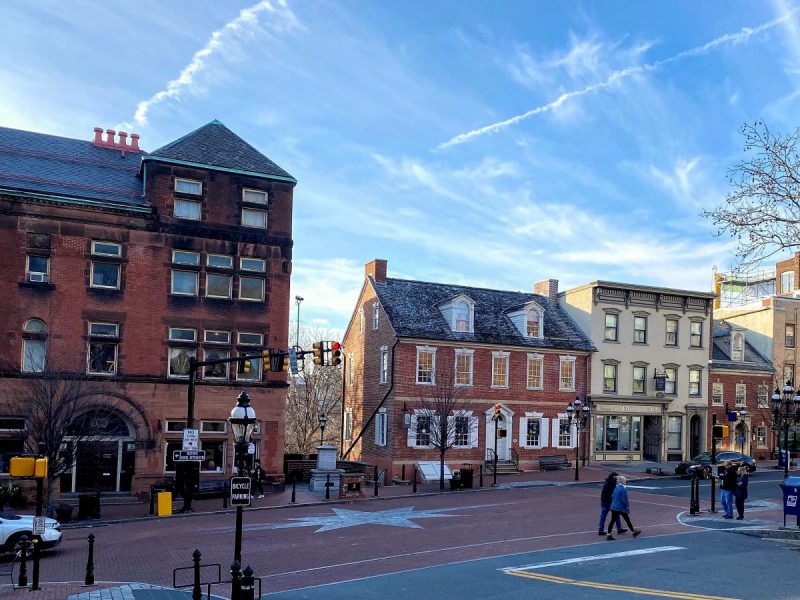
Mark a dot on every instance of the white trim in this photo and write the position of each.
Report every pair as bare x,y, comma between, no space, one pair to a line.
255,191
431,350
182,179
381,424
105,287
567,358
383,365
531,306
261,298
532,357
523,430
468,352
196,283
503,355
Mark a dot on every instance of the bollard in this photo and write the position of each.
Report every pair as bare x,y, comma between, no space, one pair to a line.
694,501
375,484
402,472
328,486
248,585
23,561
152,501
414,488
197,593
480,481
226,494
89,579
294,489
713,493
236,584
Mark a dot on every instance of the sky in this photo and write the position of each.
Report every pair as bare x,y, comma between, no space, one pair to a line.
491,144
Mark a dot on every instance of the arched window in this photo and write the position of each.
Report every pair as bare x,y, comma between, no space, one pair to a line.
533,323
738,347
34,346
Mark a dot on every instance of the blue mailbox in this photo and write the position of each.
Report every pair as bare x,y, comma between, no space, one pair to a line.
791,498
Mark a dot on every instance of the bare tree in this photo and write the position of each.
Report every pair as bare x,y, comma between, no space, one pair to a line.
763,211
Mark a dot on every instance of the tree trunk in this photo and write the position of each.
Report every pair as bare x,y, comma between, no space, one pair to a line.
441,469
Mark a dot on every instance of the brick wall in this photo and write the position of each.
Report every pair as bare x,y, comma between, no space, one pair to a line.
758,416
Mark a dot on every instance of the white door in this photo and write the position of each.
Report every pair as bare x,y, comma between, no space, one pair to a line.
503,426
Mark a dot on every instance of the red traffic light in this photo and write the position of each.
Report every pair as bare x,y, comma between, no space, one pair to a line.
335,357
336,346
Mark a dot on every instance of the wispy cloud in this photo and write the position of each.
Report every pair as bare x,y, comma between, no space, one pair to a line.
617,76
241,26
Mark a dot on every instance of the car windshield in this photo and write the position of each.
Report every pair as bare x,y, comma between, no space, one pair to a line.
8,517
702,456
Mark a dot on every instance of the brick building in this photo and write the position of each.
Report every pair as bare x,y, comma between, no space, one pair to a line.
406,339
119,265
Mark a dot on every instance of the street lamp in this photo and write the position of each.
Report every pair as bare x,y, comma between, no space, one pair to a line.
243,422
785,412
742,414
298,300
322,421
578,415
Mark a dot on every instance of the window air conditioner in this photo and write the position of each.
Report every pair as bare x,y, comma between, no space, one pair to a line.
37,277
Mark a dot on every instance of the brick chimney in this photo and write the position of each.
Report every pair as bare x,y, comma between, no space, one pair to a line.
112,143
376,268
546,287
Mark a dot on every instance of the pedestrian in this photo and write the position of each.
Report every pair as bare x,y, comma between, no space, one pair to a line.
258,479
620,506
741,491
605,504
727,488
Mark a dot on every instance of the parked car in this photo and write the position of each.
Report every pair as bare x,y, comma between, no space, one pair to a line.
703,462
13,527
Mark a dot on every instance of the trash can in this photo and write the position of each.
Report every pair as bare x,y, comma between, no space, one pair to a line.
466,477
164,504
791,498
89,506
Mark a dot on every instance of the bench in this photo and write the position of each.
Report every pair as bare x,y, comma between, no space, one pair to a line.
212,488
556,461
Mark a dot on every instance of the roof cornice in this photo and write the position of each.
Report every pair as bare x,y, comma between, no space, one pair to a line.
79,201
153,158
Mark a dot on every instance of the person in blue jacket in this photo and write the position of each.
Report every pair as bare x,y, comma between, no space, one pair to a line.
740,495
620,507
605,503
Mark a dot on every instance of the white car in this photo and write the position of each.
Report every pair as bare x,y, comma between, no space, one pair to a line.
13,527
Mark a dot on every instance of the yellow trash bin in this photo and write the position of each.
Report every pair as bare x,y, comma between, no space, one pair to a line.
164,504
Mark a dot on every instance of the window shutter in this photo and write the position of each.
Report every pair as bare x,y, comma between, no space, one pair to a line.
473,432
573,435
412,432
379,425
436,432
523,432
555,425
543,441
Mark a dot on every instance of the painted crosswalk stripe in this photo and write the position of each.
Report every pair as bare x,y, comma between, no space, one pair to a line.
580,559
641,487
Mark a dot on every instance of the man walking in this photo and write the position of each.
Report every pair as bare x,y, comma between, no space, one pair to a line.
621,507
605,503
727,488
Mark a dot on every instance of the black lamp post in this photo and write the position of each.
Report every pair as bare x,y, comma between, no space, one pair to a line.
496,417
742,414
785,412
322,421
578,415
243,422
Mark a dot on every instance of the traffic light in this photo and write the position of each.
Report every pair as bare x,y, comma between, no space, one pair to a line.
336,354
319,353
246,367
285,366
720,431
265,354
496,412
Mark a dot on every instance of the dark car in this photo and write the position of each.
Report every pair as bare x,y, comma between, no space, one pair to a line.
703,463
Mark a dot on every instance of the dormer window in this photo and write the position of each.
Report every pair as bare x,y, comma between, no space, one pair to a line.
737,346
461,316
533,322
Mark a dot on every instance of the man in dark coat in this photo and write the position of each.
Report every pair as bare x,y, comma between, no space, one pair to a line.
605,504
727,488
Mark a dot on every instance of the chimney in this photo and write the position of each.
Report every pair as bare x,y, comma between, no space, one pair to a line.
546,287
123,141
110,143
98,136
376,268
134,142
121,144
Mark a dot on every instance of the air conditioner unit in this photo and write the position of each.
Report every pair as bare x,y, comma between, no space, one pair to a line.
38,277
796,294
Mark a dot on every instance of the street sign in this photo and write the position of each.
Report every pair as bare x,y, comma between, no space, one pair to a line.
191,439
251,448
181,455
293,360
38,525
240,491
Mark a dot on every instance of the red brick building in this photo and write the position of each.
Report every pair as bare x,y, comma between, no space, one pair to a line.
407,338
119,265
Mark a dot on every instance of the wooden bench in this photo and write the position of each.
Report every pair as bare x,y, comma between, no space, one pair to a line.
556,461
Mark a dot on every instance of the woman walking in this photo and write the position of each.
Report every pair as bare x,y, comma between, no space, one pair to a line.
620,507
740,495
605,504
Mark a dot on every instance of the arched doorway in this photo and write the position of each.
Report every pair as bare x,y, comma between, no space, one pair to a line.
695,436
104,460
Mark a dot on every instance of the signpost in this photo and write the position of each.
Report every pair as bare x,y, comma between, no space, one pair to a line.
240,491
191,439
186,455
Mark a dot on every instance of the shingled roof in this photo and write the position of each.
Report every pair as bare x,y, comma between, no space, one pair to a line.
214,145
47,164
411,307
721,352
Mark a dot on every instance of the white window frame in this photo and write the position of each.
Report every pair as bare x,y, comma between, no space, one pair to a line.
186,294
227,336
189,351
96,252
351,368
643,379
376,312
717,391
741,394
673,381
426,350
763,396
500,357
557,423
112,342
472,429
230,285
761,436
260,299
674,434
361,320
188,209
212,432
381,423
28,366
347,424
539,322
692,325
413,429
737,346
44,276
534,359
195,256
637,330
615,389
563,360
384,364
172,338
253,191
787,337
105,287
224,353
190,181
262,264
606,327
468,354
699,381
259,341
543,430
254,212
787,282
667,332
227,257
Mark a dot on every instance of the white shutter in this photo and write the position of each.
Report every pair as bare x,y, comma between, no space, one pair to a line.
523,432
543,437
411,440
377,430
451,431
473,432
573,435
555,424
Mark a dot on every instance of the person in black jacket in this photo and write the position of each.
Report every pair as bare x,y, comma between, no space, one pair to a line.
727,488
741,491
605,504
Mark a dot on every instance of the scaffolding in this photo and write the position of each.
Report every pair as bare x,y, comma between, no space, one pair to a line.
736,288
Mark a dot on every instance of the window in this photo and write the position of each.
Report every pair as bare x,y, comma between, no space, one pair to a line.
361,320
464,367
787,282
254,218
215,455
672,332
187,209
219,261
34,347
375,315
251,288
789,336
566,371
175,426
461,430
737,347
533,323
102,356
533,433
695,376
762,396
611,327
618,434
251,339
461,316
384,373
216,371
674,431
347,426
564,433
609,378
639,330
182,257
741,394
761,436
37,268
179,361
423,436
188,186
351,368
500,369
249,370
696,334
535,371
253,264
184,283
426,364
106,249
788,373
218,286
12,424
180,334
213,426
217,337
716,392
254,196
105,275
639,376
671,383
381,422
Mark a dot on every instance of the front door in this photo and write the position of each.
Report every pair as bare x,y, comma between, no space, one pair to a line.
97,467
503,428
694,433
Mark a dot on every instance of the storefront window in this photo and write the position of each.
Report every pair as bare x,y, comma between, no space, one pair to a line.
600,433
618,434
674,427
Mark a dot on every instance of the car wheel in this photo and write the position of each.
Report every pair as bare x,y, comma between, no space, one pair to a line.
706,473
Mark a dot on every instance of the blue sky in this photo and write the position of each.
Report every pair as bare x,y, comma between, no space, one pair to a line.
482,143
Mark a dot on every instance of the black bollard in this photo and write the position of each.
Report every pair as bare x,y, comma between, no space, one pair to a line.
481,475
248,585
414,488
152,501
226,494
23,561
713,493
402,472
236,583
89,579
328,485
694,501
197,593
294,489
375,484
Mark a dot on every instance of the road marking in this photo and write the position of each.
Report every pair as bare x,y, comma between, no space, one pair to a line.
580,559
617,588
642,487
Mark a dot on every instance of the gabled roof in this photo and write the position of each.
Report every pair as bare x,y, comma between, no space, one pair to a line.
50,165
721,352
214,145
412,309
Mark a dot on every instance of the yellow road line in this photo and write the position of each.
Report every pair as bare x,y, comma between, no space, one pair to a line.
618,588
